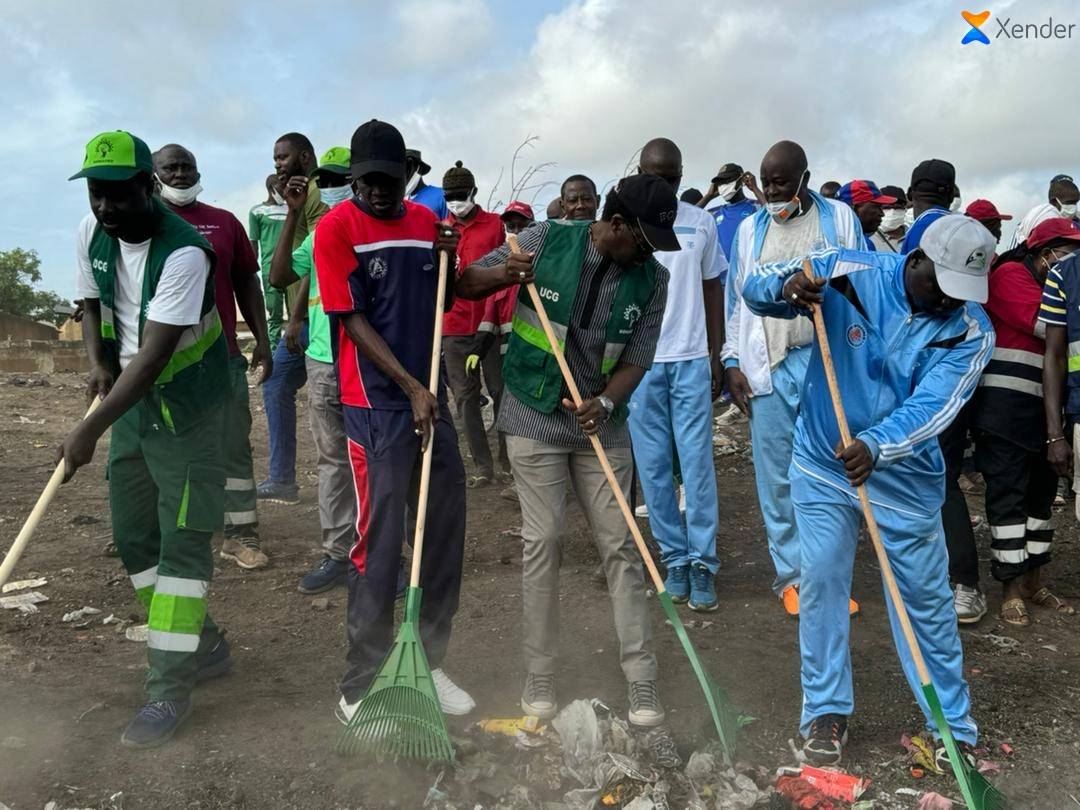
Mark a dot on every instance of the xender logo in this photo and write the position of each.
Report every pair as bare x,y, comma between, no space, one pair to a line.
1047,30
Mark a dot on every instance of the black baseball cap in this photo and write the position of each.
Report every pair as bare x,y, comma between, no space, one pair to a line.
727,173
652,202
934,175
377,147
895,191
421,167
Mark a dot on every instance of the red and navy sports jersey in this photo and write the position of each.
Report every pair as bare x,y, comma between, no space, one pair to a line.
387,270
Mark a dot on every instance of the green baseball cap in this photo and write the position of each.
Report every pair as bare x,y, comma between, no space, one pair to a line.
115,155
334,160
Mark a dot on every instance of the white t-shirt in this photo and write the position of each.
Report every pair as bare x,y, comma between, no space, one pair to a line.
1036,216
683,335
177,300
791,240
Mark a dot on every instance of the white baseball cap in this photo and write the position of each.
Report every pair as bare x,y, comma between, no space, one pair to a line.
961,249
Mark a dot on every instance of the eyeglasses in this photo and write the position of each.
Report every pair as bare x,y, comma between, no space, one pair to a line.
643,247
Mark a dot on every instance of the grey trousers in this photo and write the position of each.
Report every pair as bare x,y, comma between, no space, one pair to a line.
466,390
337,499
541,472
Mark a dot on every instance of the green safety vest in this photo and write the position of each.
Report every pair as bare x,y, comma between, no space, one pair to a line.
196,375
530,370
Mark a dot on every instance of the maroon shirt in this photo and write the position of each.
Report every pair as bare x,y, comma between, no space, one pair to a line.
234,260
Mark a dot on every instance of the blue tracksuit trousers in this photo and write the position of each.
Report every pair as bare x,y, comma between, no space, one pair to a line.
828,519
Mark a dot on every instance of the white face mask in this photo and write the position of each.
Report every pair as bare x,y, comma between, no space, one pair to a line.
411,185
781,212
460,208
277,197
909,217
954,206
1067,210
179,196
332,196
892,218
727,191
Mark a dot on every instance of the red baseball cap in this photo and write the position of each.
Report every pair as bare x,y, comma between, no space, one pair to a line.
518,207
862,191
1051,229
983,210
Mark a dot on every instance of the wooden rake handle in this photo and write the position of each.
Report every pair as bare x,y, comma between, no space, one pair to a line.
31,524
575,395
433,387
864,498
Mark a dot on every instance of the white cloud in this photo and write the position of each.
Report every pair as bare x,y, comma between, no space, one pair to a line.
449,33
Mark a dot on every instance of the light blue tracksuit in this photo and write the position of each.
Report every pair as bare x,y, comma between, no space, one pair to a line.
903,378
772,414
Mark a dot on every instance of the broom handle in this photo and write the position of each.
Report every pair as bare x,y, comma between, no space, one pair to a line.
31,524
433,387
864,498
575,394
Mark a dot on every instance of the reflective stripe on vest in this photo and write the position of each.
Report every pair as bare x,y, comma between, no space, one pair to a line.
1074,355
108,325
527,326
192,345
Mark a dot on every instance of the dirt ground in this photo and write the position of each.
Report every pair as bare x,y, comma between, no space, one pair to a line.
263,736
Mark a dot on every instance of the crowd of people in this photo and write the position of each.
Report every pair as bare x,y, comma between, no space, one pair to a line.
663,305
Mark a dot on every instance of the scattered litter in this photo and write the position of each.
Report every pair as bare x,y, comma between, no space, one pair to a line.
139,632
801,794
987,766
921,753
579,732
513,531
24,602
1006,749
93,708
22,420
112,619
908,792
1004,642
836,784
934,801
81,613
1050,647
25,583
320,603
434,794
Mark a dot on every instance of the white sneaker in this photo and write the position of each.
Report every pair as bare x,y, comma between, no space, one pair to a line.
454,699
682,499
970,604
641,511
345,711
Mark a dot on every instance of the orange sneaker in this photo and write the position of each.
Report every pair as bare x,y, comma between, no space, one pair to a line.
790,597
852,608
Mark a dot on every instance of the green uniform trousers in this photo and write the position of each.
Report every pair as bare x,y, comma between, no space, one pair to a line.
240,515
275,309
166,495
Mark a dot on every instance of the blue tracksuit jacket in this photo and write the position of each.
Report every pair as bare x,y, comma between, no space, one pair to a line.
903,376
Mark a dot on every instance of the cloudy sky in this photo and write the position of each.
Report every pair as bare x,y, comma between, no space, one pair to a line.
869,90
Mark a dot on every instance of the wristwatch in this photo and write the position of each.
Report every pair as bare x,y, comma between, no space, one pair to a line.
609,406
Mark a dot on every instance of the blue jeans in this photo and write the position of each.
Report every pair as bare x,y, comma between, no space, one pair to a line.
671,410
772,430
279,398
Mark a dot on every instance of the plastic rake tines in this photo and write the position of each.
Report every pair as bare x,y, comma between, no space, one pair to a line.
979,794
398,722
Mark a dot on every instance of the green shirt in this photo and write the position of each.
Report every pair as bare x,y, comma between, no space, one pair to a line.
303,264
265,221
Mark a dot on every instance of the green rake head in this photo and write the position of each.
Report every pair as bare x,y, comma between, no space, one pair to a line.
400,716
724,717
978,793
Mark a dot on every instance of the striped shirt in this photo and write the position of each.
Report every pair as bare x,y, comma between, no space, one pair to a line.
1052,309
585,340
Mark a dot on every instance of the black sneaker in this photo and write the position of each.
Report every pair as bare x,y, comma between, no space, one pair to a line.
825,743
273,492
538,699
155,723
215,662
645,708
941,756
324,576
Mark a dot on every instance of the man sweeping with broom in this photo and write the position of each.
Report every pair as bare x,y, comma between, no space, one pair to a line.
376,257
909,346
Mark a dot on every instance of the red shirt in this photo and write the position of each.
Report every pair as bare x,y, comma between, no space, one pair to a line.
1013,307
234,260
480,235
387,270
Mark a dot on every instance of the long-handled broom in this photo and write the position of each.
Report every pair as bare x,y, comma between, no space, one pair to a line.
31,524
400,716
979,794
723,715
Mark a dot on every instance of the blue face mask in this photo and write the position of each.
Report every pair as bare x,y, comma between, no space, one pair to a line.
332,196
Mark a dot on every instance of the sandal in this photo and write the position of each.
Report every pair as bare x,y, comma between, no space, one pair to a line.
474,481
1044,598
1014,612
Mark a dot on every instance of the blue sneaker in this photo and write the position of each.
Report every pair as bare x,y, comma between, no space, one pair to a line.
677,583
702,590
273,492
324,576
155,723
215,662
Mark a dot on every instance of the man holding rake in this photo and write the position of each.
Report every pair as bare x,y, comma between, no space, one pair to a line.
909,343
